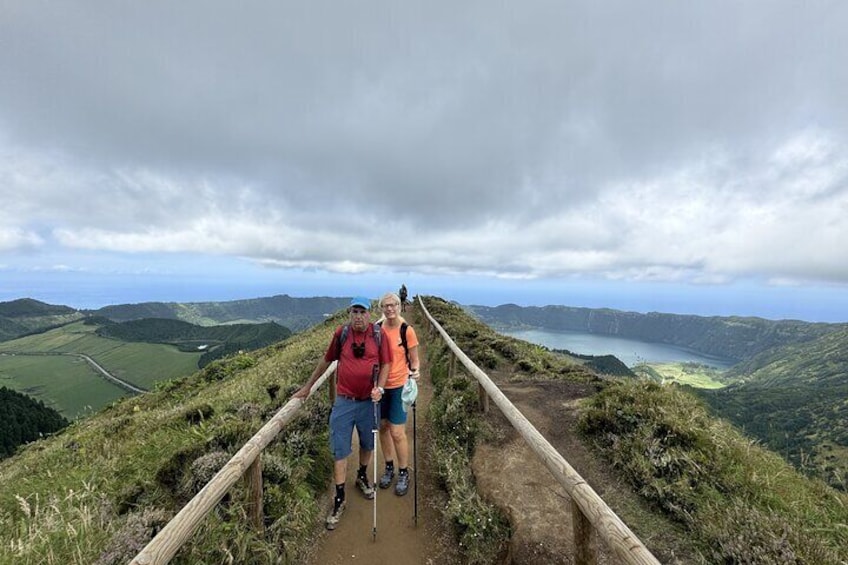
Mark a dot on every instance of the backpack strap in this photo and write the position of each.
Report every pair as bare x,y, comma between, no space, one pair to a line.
378,338
341,340
403,327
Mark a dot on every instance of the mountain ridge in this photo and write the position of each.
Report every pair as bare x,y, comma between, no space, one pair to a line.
731,337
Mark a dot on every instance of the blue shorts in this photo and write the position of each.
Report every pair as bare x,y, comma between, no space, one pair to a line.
346,415
391,406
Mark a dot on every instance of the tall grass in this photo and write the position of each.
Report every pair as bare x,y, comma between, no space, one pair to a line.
742,503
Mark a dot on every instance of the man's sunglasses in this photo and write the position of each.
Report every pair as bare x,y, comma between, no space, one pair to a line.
358,349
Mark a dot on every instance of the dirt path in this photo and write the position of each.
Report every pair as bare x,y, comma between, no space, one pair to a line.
399,540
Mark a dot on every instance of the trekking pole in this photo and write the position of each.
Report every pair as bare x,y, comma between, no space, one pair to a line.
414,469
375,372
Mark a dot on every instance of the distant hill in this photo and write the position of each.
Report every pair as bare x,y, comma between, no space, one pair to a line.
25,315
215,341
296,314
736,338
794,399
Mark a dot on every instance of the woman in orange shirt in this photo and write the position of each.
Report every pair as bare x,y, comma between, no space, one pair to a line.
405,365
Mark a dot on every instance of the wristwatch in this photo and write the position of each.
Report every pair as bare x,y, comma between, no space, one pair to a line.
381,390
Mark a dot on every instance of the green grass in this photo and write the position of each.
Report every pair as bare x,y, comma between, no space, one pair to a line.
66,384
692,374
73,387
741,503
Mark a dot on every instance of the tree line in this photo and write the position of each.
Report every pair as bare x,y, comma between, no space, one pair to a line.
24,419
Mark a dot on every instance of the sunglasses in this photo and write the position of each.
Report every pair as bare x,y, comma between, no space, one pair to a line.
358,349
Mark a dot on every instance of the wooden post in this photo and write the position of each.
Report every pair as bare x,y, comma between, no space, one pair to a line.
451,366
331,389
584,547
484,398
253,479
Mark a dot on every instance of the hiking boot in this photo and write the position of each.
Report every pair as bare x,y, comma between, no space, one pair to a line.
333,518
367,488
386,479
402,485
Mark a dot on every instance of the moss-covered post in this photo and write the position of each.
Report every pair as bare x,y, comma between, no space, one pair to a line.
331,389
451,365
253,478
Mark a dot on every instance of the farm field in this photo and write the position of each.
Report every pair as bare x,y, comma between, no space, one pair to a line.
692,374
67,384
72,386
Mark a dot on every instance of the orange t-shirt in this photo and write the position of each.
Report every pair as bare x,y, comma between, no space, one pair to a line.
399,370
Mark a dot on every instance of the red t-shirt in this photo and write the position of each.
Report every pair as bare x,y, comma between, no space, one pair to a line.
354,375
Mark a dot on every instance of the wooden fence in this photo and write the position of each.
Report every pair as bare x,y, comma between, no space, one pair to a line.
590,513
246,463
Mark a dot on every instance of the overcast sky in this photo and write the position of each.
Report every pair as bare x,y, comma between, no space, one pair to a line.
655,149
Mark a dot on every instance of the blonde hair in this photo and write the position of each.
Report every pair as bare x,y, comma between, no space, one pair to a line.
390,295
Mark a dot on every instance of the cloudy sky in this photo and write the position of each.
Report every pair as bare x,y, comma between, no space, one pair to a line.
672,156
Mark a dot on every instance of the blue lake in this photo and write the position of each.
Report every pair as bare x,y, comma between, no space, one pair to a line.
630,351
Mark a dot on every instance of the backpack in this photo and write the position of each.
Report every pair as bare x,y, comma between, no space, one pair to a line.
378,338
403,326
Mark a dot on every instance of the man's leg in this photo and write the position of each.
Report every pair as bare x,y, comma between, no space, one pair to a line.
365,428
340,471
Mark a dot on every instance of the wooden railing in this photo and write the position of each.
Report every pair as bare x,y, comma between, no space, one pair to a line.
590,513
246,463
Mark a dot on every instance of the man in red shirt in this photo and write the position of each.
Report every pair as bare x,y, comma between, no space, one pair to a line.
359,347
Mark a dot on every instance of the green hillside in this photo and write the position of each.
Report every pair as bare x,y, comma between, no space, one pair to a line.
737,502
25,316
736,338
97,491
795,400
294,313
48,366
214,342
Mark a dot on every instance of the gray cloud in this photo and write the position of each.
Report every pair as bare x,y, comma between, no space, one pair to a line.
697,142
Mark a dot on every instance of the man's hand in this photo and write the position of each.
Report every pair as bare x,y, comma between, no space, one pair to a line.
302,392
414,374
376,394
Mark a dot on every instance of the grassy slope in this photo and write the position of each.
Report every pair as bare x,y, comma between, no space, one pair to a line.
739,502
794,400
98,489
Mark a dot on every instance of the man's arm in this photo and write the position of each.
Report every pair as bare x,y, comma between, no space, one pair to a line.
382,377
